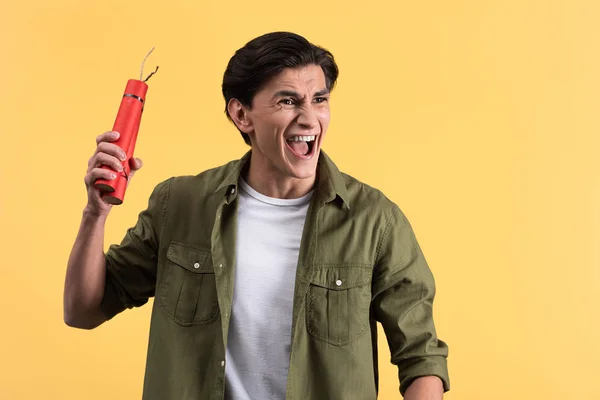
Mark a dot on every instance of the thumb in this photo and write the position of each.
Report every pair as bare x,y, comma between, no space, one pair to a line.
134,164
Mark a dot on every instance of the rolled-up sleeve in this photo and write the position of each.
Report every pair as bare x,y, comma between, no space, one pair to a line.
403,294
131,265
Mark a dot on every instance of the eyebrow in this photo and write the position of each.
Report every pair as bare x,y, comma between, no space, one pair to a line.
291,93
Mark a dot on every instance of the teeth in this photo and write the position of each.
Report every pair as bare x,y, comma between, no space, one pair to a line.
302,138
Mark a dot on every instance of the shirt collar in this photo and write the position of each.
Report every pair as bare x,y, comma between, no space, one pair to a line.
330,181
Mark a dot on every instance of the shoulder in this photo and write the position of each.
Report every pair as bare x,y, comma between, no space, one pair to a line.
206,181
364,196
179,190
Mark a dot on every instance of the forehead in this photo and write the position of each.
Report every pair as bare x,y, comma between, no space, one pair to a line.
309,77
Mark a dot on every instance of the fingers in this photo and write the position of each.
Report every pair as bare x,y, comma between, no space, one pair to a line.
98,173
107,153
105,159
109,136
104,146
110,155
112,149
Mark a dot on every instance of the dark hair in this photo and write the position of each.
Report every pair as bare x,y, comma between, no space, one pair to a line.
265,57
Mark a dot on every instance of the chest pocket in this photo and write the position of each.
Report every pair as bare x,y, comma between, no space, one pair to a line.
188,293
338,303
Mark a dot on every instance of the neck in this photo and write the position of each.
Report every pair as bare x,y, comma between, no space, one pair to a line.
271,183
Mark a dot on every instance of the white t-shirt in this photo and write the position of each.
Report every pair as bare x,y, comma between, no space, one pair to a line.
267,248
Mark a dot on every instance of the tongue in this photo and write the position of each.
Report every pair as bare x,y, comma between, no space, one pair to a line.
299,147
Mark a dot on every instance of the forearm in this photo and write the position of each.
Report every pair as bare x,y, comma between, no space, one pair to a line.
85,277
425,388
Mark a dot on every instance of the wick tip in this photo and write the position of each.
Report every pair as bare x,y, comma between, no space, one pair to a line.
143,62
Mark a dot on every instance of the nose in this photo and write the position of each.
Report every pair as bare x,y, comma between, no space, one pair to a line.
307,118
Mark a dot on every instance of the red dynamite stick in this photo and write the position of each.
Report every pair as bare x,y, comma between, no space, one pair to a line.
127,124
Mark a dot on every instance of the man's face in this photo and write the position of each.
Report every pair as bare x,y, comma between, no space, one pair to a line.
287,123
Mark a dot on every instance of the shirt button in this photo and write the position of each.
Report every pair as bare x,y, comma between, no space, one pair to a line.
232,190
196,265
338,282
222,363
220,265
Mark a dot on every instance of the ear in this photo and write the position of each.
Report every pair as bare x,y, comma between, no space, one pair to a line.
239,114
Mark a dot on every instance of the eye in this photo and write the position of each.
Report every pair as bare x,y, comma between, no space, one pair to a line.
287,102
321,99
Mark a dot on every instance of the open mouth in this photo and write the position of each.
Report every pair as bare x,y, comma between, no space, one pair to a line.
302,146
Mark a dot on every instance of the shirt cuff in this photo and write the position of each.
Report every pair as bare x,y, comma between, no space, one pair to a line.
415,368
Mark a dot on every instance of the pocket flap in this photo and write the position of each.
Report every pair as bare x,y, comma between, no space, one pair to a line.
190,258
341,277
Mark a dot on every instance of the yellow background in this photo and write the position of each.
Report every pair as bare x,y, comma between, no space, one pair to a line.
479,118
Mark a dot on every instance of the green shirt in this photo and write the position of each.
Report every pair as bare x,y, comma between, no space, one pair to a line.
359,264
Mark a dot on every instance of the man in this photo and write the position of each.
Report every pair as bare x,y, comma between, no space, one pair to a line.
269,273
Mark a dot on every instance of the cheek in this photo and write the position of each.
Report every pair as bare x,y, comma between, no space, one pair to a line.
324,115
266,127
277,122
